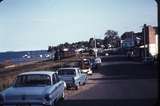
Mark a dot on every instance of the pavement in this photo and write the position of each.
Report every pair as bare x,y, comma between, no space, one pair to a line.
117,82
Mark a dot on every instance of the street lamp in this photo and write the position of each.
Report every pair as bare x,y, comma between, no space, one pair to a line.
95,46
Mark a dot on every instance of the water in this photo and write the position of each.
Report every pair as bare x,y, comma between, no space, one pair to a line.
24,56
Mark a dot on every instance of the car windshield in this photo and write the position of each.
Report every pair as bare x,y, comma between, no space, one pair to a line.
72,64
66,72
32,80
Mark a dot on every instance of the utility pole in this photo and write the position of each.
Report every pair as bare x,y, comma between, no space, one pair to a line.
95,47
144,36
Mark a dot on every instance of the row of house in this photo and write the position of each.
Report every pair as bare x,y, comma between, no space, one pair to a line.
141,44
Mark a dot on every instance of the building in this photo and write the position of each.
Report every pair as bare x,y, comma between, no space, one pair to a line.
150,36
158,18
142,44
128,40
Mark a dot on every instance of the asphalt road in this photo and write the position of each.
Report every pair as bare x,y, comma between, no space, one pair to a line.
117,82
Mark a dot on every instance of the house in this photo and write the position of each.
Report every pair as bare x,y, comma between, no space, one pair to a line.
128,40
150,41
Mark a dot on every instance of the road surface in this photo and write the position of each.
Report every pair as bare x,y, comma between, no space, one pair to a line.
118,82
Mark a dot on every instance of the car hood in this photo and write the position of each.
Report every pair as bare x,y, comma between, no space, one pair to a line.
26,91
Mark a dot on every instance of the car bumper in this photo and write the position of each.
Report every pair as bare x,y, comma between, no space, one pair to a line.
24,104
69,85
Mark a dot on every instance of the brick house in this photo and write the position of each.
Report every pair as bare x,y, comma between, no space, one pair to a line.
150,41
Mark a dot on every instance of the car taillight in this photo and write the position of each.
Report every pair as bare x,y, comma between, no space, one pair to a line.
47,97
73,80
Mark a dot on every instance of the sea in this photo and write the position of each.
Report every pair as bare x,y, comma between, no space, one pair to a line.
19,57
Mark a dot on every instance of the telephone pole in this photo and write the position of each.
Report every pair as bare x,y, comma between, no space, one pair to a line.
145,44
95,46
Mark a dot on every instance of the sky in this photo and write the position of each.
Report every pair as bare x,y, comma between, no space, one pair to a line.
36,24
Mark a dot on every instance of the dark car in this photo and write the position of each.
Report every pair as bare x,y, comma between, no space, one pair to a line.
93,63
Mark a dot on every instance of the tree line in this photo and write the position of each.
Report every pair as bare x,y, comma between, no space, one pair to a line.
111,40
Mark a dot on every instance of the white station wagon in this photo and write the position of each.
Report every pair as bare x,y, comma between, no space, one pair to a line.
39,88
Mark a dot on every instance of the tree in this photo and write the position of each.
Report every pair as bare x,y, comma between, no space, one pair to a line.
91,42
111,39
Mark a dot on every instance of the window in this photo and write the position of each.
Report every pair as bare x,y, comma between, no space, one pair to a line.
33,80
55,78
66,72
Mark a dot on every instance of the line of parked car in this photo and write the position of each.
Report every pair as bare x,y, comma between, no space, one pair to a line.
45,88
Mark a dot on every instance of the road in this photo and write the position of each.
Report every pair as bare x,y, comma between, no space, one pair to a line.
118,82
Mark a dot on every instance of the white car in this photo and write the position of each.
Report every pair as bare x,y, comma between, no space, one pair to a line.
40,88
72,76
98,60
86,66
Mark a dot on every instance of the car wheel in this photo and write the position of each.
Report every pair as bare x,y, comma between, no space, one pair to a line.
62,96
84,83
77,87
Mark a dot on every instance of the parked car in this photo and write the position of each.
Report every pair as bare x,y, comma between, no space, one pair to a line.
93,63
75,64
98,61
72,76
86,66
34,88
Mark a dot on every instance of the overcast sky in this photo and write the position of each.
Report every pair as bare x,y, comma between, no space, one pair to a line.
35,24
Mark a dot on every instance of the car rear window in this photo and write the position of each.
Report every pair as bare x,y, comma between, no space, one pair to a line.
33,80
66,72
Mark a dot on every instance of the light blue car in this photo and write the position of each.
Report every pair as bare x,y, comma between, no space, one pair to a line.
39,88
72,76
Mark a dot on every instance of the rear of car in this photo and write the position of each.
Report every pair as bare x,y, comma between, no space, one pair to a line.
86,66
33,89
93,63
98,61
69,76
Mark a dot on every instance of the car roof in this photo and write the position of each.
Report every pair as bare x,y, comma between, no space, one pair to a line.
69,68
38,72
97,58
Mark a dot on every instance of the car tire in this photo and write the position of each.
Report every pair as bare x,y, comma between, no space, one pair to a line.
62,96
84,83
77,87
67,88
